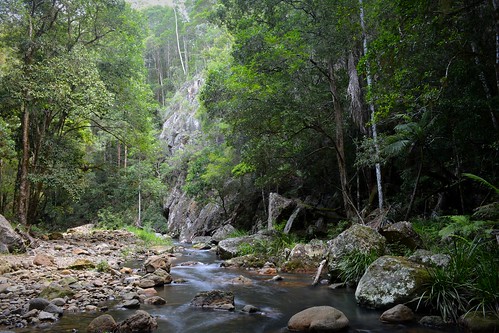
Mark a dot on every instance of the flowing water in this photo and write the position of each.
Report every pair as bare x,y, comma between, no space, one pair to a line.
277,301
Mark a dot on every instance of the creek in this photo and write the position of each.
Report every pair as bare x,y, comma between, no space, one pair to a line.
277,301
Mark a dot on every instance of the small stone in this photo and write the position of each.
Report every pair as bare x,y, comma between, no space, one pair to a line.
47,316
52,308
148,292
277,278
241,280
130,304
250,309
155,300
42,259
38,303
58,301
432,321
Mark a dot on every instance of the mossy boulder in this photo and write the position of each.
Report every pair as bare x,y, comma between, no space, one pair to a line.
231,247
389,281
356,238
56,291
82,264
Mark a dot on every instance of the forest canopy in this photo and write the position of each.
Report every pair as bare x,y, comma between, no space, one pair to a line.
364,104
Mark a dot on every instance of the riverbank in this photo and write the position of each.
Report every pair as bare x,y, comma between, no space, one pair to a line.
81,270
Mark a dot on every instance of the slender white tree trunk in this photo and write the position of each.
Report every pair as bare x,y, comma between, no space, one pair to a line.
178,42
371,109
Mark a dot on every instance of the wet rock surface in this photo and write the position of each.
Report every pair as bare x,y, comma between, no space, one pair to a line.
82,272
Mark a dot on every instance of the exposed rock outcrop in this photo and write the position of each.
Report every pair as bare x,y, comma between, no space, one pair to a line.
10,241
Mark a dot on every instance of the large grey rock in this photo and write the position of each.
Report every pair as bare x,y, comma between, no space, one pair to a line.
279,208
357,237
229,248
389,281
140,321
223,233
9,239
214,299
402,233
318,319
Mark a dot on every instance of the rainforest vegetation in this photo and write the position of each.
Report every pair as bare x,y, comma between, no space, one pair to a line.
383,110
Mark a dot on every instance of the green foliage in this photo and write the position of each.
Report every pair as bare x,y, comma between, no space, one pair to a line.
102,266
149,237
354,264
269,248
334,230
109,220
482,181
238,233
466,227
469,282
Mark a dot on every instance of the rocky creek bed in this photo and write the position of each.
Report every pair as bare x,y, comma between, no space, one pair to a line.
78,271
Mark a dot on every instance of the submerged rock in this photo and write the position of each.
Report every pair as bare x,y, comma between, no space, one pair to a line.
389,281
214,299
318,319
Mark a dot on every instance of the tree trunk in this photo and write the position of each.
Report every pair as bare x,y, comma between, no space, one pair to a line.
495,4
371,109
340,145
22,198
178,42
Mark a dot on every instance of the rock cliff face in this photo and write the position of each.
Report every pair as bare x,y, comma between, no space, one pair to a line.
182,134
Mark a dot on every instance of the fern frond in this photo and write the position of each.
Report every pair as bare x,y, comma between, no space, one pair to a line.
482,181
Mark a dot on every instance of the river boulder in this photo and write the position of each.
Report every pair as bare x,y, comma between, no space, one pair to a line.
214,299
358,237
280,208
140,321
402,233
10,241
101,324
157,262
400,313
318,319
389,281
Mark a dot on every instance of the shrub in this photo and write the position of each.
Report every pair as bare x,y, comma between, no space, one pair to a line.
469,282
354,264
148,236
